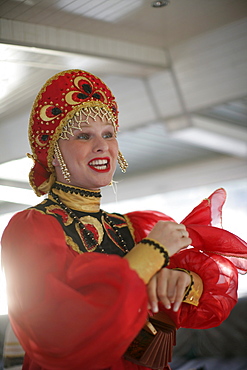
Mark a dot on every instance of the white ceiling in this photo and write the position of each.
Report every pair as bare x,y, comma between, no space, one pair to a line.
179,74
132,20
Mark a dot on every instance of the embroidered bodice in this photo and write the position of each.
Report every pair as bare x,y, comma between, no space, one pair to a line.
87,222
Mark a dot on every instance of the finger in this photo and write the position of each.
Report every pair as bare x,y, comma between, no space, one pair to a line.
185,242
172,288
180,290
181,227
183,231
162,286
152,294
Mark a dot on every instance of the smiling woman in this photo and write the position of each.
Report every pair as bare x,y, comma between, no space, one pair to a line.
74,271
90,150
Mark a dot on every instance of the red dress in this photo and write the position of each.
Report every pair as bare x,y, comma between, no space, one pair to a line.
79,311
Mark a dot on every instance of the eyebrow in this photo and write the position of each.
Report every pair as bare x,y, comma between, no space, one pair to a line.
84,124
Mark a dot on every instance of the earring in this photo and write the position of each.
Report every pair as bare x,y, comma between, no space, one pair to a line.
61,162
123,164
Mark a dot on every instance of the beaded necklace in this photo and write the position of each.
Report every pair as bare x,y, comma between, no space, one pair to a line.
88,233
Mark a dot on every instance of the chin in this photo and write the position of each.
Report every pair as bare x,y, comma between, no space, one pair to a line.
103,184
96,186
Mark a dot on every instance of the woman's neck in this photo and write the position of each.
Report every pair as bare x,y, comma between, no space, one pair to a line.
76,198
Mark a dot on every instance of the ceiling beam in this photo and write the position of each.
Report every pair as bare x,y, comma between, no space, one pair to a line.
65,41
219,136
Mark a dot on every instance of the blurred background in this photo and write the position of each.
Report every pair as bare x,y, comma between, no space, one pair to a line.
178,70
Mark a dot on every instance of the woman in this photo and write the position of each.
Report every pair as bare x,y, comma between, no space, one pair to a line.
81,282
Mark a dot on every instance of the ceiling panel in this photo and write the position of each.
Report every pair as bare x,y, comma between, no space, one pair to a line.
233,112
151,148
139,21
24,70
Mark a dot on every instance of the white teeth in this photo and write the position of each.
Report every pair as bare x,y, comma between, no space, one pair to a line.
98,162
103,167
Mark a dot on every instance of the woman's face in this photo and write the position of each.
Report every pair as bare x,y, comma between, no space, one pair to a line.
90,155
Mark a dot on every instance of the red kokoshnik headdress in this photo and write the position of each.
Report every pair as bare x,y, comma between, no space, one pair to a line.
62,96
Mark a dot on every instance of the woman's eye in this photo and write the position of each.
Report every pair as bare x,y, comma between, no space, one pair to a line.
107,135
83,136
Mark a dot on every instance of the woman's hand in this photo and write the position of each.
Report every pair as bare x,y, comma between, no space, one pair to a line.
171,235
168,287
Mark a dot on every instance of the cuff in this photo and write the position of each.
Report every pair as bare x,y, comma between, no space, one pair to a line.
147,258
194,291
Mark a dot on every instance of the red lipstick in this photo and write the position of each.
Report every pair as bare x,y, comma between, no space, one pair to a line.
100,164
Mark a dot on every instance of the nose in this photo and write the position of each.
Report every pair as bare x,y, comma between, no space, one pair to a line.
100,145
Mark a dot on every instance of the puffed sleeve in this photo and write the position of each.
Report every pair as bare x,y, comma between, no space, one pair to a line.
69,310
220,280
215,256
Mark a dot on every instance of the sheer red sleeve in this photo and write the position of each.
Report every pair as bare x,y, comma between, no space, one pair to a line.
201,224
219,295
215,255
68,308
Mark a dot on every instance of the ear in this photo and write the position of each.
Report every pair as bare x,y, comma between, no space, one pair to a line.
55,162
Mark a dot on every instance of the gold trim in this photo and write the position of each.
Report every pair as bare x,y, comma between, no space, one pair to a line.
49,211
130,227
145,260
46,186
209,201
70,242
196,291
82,116
225,255
89,220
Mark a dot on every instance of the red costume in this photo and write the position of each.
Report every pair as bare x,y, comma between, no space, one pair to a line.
74,310
70,305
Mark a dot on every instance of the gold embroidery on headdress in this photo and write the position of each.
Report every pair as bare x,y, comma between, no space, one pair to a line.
83,116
